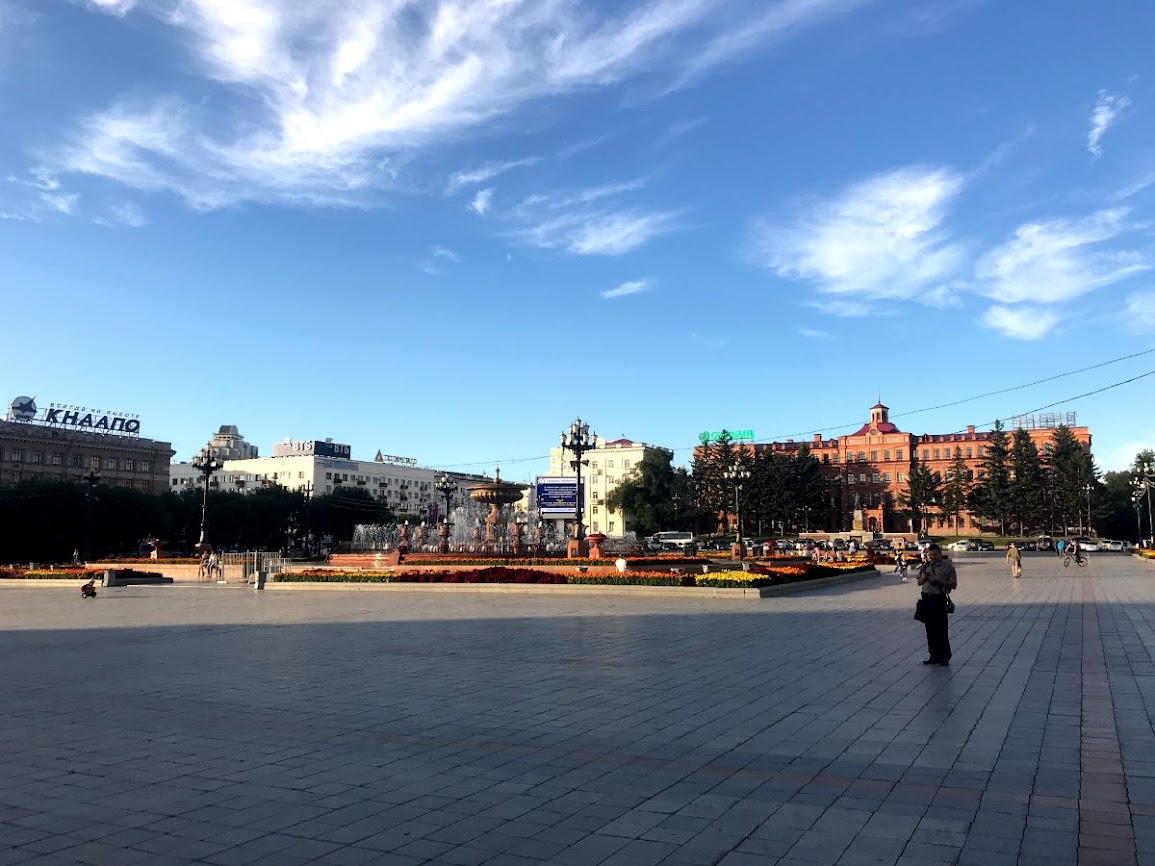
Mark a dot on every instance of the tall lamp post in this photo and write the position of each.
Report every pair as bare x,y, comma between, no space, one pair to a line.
1136,499
90,499
445,486
1087,488
738,475
579,440
1146,472
206,463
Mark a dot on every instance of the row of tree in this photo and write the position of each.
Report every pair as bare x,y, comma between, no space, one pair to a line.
45,521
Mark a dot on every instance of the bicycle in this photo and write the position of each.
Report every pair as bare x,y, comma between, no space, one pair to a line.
1080,561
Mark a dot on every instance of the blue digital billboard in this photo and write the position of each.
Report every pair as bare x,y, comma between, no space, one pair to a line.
556,495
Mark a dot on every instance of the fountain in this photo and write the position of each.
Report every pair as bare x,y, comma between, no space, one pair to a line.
497,494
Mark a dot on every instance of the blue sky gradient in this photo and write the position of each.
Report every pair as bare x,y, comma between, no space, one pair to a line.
443,229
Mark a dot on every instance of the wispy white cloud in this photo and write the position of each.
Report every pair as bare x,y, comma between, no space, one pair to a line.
128,214
325,101
765,23
1047,262
1103,115
482,201
1138,314
678,129
64,203
439,261
632,287
877,239
1021,323
115,7
439,252
486,172
815,334
601,232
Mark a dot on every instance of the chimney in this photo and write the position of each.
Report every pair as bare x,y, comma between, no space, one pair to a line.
970,429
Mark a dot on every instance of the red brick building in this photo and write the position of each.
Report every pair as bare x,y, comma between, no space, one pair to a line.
869,468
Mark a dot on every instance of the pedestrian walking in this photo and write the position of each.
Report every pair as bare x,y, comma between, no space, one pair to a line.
1060,546
900,565
937,578
1015,558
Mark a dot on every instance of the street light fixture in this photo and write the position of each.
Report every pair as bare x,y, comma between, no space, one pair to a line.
90,499
1087,488
445,486
579,440
206,463
1146,472
738,475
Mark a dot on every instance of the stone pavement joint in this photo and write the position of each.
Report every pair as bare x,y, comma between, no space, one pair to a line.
214,726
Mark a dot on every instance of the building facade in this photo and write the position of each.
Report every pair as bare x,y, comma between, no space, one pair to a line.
80,446
867,471
320,467
610,463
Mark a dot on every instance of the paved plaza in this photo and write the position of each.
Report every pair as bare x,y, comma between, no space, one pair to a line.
218,725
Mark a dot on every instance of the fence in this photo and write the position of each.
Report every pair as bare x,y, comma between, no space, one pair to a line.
239,567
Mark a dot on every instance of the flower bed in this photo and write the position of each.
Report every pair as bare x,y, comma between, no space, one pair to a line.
633,578
49,574
1146,553
147,560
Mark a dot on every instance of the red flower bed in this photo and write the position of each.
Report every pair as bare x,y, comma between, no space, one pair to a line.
497,574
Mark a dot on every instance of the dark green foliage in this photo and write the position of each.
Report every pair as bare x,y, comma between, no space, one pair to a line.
652,496
956,489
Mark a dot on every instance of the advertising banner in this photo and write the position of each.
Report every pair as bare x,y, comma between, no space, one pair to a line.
557,495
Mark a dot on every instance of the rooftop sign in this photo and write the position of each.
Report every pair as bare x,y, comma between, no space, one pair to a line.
23,410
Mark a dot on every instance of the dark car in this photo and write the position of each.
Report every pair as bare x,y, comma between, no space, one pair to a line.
986,545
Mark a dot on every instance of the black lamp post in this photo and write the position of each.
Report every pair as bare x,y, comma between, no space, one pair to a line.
90,499
445,486
206,463
738,475
1146,471
579,440
1136,500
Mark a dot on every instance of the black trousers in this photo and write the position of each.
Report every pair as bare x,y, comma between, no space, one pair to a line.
937,634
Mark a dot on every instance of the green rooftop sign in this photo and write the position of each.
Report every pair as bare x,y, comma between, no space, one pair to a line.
708,436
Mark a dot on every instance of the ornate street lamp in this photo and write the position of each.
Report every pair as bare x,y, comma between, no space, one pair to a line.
90,499
1136,500
206,463
445,486
1146,472
579,440
738,475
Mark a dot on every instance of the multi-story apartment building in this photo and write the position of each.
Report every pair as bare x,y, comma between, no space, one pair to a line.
867,471
324,466
71,443
609,464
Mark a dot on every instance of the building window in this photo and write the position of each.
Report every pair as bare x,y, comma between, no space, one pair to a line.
873,456
625,464
300,474
834,458
862,477
110,463
58,459
595,526
609,464
936,454
885,455
609,479
37,457
93,462
16,455
129,465
898,454
886,477
926,454
861,456
611,526
900,478
328,476
850,478
595,509
874,477
970,452
145,466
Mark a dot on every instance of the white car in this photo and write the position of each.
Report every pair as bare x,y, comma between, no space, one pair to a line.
958,545
1088,545
1112,545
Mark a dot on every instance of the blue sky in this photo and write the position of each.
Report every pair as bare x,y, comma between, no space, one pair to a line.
444,228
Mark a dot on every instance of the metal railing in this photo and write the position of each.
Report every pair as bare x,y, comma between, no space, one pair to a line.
240,567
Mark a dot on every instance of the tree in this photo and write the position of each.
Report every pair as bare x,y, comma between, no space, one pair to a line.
646,497
992,494
338,513
1027,483
920,496
955,490
713,493
1069,472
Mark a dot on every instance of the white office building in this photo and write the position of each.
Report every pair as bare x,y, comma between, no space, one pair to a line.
321,467
610,463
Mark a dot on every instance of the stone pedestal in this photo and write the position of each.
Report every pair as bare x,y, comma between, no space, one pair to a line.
577,549
857,524
595,539
517,529
737,551
443,538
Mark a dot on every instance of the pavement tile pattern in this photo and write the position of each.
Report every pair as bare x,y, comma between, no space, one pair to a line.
219,725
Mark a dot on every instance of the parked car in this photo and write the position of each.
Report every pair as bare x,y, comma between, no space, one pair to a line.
1112,545
986,545
1088,545
961,544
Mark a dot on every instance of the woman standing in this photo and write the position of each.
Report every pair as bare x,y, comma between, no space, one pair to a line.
1015,558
